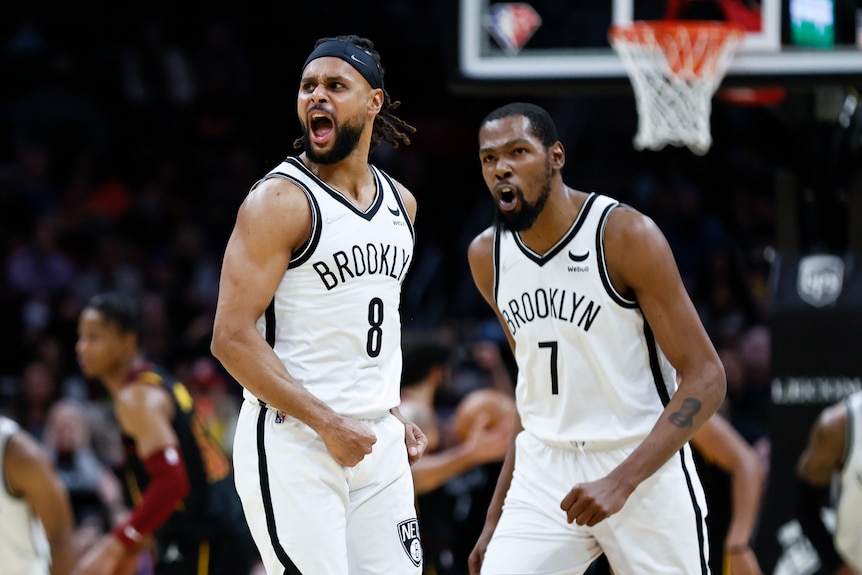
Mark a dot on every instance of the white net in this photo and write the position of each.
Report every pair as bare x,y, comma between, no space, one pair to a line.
675,69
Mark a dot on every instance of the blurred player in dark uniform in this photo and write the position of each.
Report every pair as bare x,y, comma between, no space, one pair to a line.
178,481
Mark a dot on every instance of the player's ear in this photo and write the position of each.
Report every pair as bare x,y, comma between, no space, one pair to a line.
558,155
375,104
130,341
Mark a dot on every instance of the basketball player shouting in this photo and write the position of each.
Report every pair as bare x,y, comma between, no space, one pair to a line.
600,323
308,322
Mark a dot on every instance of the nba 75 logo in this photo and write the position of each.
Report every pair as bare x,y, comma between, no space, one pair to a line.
408,532
512,24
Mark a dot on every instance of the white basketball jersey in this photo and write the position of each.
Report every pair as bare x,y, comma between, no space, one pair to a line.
24,547
589,368
848,527
335,318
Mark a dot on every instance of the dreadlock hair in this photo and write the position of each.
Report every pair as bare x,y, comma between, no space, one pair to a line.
387,127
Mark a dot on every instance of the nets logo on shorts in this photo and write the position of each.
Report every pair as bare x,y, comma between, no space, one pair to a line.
408,532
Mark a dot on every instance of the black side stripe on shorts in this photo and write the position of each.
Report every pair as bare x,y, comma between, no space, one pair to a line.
289,567
698,513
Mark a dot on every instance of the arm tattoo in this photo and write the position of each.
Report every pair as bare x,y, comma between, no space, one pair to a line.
684,417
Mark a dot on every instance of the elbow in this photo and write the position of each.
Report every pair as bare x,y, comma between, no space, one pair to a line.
222,341
716,383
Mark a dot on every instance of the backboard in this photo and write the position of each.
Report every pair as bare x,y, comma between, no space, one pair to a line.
563,44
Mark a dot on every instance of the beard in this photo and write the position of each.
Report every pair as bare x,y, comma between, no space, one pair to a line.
346,140
524,218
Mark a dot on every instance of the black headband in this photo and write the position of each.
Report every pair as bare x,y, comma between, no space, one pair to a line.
361,60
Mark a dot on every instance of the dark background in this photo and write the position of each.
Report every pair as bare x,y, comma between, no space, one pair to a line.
130,133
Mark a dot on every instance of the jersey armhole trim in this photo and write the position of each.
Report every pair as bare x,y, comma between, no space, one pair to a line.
603,263
396,193
301,255
496,260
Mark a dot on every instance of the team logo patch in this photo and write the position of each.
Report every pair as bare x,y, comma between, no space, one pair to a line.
408,532
820,279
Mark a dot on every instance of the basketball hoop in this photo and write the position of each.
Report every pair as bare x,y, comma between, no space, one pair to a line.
675,67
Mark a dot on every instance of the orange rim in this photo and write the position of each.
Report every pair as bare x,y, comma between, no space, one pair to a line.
676,37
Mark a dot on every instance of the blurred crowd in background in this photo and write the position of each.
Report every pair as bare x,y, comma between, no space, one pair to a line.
128,141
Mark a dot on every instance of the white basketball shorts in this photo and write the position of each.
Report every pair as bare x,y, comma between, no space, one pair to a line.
310,516
660,530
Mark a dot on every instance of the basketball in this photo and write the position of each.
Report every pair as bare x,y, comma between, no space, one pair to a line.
498,405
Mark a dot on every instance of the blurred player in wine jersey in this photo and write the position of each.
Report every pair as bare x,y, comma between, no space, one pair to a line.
178,482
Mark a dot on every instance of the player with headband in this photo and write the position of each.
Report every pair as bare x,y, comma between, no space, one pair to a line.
308,323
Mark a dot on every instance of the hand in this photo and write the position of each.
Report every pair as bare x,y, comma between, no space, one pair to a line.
415,441
348,441
103,558
589,503
477,555
743,562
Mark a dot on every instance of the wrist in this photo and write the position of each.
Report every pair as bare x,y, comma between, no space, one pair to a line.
126,536
737,549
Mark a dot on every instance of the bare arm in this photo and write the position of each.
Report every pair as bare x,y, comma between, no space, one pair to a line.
272,222
144,413
822,456
722,445
29,473
482,267
409,200
495,507
479,447
641,264
414,437
824,453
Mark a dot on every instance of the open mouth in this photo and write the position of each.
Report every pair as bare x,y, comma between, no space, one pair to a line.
320,127
507,197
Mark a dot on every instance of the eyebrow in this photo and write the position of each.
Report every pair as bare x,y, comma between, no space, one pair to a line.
507,144
332,78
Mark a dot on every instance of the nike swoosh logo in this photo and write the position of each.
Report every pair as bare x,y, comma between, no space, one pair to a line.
330,219
357,60
575,258
394,212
